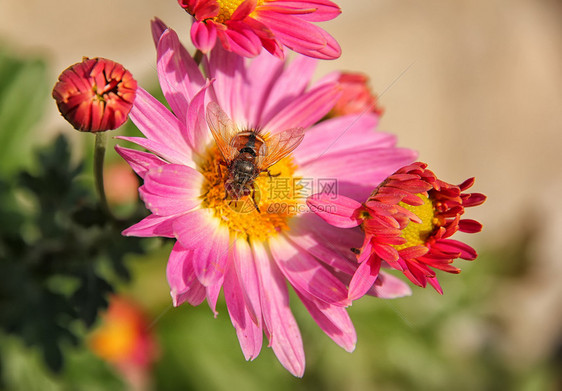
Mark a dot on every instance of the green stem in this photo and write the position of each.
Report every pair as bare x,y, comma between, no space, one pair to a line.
198,56
99,154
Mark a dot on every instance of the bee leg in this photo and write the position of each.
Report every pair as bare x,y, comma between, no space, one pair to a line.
254,199
219,172
269,174
219,169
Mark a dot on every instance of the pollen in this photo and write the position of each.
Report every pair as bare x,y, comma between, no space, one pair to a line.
416,234
227,8
277,194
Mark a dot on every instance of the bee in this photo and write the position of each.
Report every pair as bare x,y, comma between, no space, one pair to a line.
247,153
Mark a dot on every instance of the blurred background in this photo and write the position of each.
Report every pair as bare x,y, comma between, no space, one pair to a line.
474,85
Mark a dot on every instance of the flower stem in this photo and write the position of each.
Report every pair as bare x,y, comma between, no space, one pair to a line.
99,154
198,56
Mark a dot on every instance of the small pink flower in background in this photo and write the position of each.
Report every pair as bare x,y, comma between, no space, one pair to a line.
245,26
125,341
408,221
120,183
356,97
95,95
252,256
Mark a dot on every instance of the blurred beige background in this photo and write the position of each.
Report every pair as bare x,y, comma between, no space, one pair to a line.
482,97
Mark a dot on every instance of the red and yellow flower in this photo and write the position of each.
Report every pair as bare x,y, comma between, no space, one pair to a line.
245,26
408,221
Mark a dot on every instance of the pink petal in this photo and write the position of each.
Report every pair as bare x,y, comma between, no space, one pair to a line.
248,331
266,37
245,268
346,133
364,278
330,51
166,206
171,190
152,225
157,26
175,181
213,292
203,35
169,153
197,131
292,31
240,39
323,10
413,252
195,228
156,122
388,286
229,73
354,168
139,161
256,92
290,85
244,10
281,327
209,240
184,285
338,211
333,320
307,274
386,252
301,36
203,9
306,109
322,246
368,165
179,75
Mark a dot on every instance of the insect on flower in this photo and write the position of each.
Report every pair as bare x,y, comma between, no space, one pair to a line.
247,153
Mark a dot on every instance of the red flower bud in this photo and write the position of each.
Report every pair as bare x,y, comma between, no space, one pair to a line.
95,95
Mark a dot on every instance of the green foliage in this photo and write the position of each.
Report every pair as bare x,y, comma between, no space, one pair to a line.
23,91
59,256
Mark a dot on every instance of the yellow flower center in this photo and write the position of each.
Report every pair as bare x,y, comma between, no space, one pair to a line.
278,198
227,8
416,234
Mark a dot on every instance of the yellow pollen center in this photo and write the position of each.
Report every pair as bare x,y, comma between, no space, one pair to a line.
227,8
279,197
416,234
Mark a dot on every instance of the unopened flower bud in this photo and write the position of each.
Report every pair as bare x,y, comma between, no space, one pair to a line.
356,97
95,95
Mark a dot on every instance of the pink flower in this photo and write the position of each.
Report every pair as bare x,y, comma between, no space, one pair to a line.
229,245
245,26
408,221
95,95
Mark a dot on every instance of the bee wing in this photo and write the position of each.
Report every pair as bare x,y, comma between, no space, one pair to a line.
223,130
278,146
